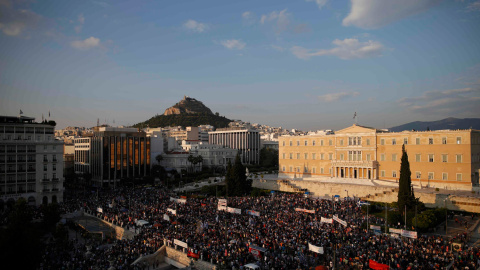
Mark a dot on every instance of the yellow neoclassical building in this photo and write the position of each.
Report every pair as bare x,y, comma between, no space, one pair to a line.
447,159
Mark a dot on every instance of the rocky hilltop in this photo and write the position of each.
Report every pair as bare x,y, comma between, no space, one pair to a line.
187,112
188,105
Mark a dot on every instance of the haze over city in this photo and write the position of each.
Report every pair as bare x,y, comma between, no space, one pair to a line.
296,64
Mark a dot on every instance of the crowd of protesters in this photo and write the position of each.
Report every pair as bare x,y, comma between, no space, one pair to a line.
223,238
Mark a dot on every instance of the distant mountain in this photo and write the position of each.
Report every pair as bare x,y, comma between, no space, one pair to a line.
187,112
448,123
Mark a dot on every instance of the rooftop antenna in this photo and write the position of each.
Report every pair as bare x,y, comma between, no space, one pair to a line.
98,122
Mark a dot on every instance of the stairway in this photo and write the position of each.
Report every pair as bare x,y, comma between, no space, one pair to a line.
291,187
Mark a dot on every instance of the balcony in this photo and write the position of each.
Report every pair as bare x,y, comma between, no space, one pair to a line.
55,179
45,190
21,181
11,161
54,160
45,180
45,160
54,189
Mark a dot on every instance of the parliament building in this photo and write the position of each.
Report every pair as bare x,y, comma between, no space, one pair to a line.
446,159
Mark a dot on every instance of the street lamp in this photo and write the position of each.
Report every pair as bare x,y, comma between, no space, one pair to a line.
347,192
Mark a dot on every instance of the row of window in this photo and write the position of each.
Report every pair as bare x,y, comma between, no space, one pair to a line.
358,141
430,175
357,156
313,155
305,170
25,137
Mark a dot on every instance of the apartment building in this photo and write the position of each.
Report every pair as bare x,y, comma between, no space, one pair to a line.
246,141
447,159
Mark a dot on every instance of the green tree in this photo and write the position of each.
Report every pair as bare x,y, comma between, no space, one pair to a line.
191,159
269,158
229,179
406,196
159,158
237,182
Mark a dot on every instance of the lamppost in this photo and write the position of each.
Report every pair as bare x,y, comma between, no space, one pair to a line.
347,192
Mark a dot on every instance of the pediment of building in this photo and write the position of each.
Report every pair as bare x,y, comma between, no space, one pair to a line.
356,129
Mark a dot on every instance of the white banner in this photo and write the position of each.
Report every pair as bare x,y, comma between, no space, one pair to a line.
393,230
253,213
172,211
315,248
234,210
305,210
99,209
180,243
344,223
409,234
326,220
376,228
184,201
222,208
166,217
222,202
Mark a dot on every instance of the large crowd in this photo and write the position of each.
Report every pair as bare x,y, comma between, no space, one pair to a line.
225,238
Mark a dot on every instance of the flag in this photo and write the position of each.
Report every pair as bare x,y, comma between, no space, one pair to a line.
48,114
21,112
354,115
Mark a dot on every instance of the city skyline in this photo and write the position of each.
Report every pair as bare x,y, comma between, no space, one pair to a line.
297,64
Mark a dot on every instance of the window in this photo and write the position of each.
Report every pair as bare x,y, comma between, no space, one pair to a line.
291,156
459,177
45,147
368,157
291,169
54,175
444,158
394,141
313,155
38,138
430,157
305,169
298,143
394,157
283,168
54,147
350,141
283,143
417,141
298,169
418,175
321,143
341,156
341,142
329,142
321,156
459,158
382,141
283,155
298,155
359,140
382,173
368,141
306,143
394,174
430,140
459,140
430,176
45,167
313,142
418,157
314,170
359,155
405,141
330,156
321,170
444,176
382,157
444,140
306,156
290,143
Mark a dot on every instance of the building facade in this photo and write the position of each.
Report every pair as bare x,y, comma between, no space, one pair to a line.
119,153
447,159
82,155
246,141
31,162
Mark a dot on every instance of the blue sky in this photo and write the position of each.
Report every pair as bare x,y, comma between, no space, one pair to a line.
296,64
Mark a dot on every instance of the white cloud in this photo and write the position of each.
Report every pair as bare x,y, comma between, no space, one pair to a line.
86,44
337,96
371,14
248,17
277,48
475,6
195,26
281,19
349,48
451,102
320,3
15,22
81,19
233,44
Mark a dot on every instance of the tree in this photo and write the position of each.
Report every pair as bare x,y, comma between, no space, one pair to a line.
236,179
159,158
198,159
191,159
406,196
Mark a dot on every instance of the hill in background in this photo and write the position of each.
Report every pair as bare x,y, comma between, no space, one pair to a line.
448,123
187,112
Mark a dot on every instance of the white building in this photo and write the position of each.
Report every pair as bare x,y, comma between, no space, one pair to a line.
82,155
31,162
246,141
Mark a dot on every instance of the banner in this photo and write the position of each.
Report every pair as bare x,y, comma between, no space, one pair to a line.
377,266
344,223
315,248
172,211
100,210
326,220
193,255
409,234
397,231
256,251
305,210
222,208
253,213
222,202
166,217
375,228
234,210
183,201
180,243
